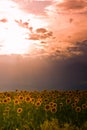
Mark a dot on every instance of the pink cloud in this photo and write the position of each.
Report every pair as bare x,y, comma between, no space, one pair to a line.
74,5
40,34
34,6
22,24
41,30
3,20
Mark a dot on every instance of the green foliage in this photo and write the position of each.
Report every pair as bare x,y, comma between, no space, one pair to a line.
50,125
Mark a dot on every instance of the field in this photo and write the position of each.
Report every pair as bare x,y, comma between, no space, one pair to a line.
43,110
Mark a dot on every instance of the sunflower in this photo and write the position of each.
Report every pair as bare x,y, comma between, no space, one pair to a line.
76,99
16,90
19,110
54,104
53,109
46,100
32,100
20,97
39,99
84,106
51,103
8,95
68,101
47,107
38,103
7,108
8,99
5,101
73,105
27,99
16,102
78,109
17,129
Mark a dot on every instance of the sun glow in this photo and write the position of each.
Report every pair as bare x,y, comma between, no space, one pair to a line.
37,23
13,38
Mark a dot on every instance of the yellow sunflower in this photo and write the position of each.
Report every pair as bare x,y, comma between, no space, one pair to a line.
27,99
68,101
84,106
19,110
5,101
78,109
16,102
38,103
8,99
53,109
21,98
47,107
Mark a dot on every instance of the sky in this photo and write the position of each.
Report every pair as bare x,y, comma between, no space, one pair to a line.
43,44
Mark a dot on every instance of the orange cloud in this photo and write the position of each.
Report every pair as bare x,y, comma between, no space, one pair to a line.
42,42
22,24
40,34
73,5
4,20
41,30
36,7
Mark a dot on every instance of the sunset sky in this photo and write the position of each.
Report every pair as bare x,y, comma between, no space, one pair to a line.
43,44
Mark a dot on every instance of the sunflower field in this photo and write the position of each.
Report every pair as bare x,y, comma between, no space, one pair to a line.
43,110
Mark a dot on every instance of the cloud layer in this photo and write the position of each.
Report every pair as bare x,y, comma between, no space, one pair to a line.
51,27
34,6
74,6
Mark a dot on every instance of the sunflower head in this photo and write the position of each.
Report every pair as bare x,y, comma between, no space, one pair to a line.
16,102
19,110
84,106
54,109
27,99
38,103
68,101
47,107
78,109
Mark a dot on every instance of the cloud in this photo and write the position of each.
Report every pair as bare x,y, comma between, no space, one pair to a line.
73,5
82,46
40,34
3,20
41,30
69,50
43,42
34,6
22,24
79,48
71,20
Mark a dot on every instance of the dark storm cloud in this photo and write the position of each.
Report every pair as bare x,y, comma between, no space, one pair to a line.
34,73
76,72
79,47
75,49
